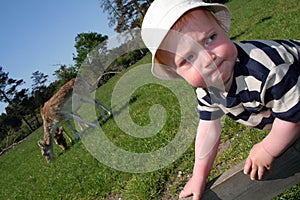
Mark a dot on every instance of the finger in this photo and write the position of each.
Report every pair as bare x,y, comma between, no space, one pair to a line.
253,172
269,168
184,194
261,171
196,196
247,166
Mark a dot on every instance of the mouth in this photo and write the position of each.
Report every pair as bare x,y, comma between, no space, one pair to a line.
215,69
218,64
220,68
216,74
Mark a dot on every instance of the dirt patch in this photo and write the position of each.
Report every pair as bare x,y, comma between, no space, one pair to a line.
114,197
224,146
181,179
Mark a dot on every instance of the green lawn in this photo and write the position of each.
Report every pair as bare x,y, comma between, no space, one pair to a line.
76,174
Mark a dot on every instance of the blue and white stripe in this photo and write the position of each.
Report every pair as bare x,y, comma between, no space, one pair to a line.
266,85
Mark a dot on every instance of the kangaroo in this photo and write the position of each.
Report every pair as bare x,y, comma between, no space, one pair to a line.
56,110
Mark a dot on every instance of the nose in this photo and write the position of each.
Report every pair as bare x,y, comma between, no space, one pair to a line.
212,55
208,57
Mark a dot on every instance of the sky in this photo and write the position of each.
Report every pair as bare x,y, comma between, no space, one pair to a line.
40,35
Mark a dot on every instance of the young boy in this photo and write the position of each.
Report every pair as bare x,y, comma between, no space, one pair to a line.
256,83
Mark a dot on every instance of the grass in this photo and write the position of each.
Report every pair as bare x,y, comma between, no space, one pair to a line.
268,19
76,174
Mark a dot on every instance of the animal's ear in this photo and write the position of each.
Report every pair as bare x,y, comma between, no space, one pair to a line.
41,144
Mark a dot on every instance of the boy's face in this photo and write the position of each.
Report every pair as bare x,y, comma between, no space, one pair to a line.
202,53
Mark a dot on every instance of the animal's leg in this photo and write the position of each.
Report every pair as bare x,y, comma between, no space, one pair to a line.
67,134
73,130
79,119
102,112
59,138
102,107
98,102
82,126
46,145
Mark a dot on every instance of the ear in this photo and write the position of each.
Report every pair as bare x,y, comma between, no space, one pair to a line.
41,144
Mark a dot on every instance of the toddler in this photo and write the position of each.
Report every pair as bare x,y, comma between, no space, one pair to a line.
256,83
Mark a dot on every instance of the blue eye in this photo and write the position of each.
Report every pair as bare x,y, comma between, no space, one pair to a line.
211,38
186,60
189,58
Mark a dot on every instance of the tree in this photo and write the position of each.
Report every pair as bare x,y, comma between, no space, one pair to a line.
39,79
3,126
125,14
21,107
13,122
8,86
65,73
9,125
25,105
8,91
38,96
85,43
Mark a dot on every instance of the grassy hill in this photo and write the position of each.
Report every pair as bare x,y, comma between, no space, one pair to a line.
76,174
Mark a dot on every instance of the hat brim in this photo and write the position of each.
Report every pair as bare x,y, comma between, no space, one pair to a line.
155,29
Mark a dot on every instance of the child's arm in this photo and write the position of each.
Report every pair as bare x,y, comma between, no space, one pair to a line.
206,146
281,136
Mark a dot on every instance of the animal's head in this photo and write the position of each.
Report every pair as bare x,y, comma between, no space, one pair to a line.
46,150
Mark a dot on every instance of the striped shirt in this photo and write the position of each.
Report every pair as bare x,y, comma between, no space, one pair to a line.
265,86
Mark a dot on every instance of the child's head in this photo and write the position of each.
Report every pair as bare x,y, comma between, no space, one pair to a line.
172,30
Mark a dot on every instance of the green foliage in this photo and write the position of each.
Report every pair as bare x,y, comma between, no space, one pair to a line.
128,59
8,86
126,14
10,94
39,79
64,74
85,43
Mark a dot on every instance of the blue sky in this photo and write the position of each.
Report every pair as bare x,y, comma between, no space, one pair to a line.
39,35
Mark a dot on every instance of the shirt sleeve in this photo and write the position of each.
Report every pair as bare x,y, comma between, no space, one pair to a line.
281,91
206,109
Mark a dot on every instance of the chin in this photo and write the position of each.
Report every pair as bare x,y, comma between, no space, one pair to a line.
199,85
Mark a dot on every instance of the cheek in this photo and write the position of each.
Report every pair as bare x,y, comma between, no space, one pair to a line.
194,78
229,50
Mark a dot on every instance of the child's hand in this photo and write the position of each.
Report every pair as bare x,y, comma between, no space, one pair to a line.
258,161
194,187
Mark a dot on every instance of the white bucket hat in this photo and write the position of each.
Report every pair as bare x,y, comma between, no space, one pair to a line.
162,15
